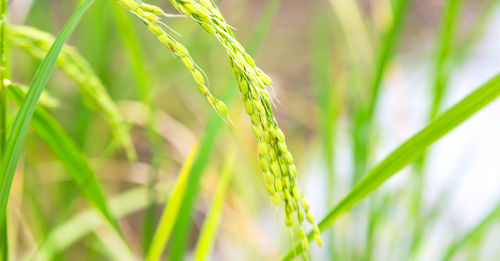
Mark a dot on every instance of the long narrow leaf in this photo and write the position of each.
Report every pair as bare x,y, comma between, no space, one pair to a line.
411,150
23,117
211,224
172,207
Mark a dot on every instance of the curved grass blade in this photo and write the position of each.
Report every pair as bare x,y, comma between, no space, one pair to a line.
411,150
23,117
171,212
210,226
70,156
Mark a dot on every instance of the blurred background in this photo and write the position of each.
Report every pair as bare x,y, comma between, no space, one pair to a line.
325,58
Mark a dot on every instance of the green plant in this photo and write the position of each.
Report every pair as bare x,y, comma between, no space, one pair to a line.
184,181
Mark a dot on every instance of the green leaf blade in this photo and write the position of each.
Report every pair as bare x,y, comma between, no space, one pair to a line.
210,226
172,208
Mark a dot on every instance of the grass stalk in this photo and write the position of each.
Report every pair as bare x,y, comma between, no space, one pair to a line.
4,68
4,73
172,209
208,232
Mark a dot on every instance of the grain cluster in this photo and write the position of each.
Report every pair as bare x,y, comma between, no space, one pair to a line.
276,161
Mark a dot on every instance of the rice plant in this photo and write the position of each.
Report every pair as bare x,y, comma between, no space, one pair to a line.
97,103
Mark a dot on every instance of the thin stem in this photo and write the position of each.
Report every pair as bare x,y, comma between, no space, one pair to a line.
3,109
3,74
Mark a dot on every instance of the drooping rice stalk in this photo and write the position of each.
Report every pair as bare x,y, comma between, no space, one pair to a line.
276,161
